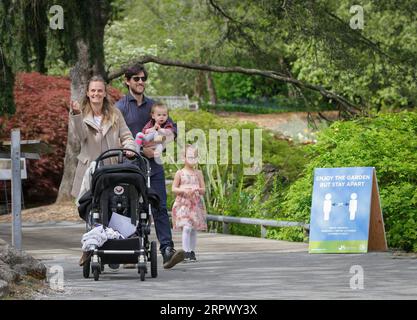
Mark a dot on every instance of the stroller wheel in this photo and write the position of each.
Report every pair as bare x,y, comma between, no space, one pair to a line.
96,273
142,272
86,269
154,260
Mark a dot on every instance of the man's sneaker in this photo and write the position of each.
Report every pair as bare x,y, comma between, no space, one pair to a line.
171,257
192,256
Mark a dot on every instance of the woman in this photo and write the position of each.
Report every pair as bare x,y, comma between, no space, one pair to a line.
99,126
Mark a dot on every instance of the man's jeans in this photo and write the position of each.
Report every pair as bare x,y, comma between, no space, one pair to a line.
160,217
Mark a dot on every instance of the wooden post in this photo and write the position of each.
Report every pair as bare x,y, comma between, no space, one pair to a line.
16,190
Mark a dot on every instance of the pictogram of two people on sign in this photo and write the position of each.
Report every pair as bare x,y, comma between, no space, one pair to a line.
328,204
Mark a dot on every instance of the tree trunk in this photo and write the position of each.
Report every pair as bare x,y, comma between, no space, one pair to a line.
211,89
40,38
7,105
79,77
199,83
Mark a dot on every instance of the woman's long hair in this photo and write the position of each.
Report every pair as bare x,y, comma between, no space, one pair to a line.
109,111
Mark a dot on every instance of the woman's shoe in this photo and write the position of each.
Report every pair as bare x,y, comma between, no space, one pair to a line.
85,257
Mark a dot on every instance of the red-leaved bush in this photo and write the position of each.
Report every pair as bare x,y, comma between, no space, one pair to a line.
42,106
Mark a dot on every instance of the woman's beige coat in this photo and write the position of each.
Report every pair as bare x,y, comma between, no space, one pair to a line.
95,140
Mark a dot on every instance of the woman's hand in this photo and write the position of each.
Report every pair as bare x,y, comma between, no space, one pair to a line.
75,107
130,154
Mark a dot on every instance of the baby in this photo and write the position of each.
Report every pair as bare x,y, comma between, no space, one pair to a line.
159,130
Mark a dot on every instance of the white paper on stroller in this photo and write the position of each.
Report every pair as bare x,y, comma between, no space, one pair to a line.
122,224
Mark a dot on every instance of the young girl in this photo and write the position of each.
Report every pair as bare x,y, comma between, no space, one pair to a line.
188,211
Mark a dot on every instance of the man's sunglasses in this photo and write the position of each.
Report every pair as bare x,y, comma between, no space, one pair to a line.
137,78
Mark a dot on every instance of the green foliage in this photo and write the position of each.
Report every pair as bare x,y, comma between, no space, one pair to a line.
382,73
235,86
121,46
7,105
308,41
276,105
231,86
177,30
228,190
312,42
387,143
288,159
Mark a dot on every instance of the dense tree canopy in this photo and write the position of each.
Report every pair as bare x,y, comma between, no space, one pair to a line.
310,41
277,49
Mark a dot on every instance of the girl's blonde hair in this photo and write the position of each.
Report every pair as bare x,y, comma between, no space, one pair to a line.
188,147
109,110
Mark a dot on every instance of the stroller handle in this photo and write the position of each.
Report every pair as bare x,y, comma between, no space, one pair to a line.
121,154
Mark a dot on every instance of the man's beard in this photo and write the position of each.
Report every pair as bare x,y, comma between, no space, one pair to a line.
137,92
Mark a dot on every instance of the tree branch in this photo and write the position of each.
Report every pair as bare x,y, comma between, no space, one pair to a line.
347,105
366,41
221,11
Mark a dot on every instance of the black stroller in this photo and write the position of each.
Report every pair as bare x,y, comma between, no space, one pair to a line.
123,188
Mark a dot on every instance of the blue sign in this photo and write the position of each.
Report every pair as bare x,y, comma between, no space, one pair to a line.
340,210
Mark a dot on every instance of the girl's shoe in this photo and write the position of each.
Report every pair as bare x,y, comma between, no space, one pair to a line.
187,256
192,256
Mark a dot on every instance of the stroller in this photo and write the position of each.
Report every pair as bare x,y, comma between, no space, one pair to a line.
122,188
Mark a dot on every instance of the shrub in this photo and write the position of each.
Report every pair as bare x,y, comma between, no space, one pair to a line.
277,104
229,192
386,142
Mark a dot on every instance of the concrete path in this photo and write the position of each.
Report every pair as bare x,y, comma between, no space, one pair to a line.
228,268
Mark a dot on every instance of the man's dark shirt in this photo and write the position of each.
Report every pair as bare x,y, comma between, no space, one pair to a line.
136,118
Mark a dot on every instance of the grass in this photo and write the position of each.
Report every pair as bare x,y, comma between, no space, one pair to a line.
26,289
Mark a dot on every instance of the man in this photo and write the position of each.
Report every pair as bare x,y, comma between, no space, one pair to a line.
136,109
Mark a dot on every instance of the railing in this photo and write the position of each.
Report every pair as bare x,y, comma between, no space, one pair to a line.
226,220
261,222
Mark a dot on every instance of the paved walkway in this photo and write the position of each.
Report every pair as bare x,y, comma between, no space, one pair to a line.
229,267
